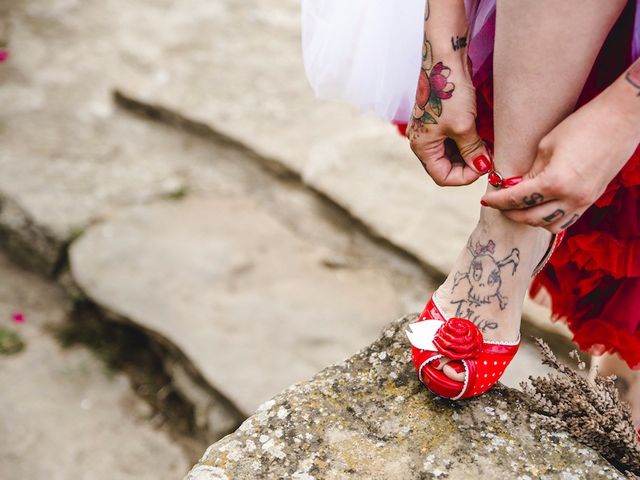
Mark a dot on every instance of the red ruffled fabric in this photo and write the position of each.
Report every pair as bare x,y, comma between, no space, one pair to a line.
594,277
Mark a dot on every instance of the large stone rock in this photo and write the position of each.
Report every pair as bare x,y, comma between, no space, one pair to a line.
369,417
253,307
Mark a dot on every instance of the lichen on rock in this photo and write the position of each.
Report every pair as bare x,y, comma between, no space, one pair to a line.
369,417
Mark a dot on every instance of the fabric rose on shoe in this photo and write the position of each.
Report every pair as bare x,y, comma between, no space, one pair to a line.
458,339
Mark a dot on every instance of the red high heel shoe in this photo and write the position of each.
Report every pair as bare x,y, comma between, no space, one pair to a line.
483,361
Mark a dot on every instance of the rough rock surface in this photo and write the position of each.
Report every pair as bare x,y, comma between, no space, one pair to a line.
63,416
369,417
254,307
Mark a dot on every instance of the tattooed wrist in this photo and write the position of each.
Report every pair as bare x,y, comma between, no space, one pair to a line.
458,42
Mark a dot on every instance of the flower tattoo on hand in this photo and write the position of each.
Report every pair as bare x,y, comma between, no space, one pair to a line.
433,87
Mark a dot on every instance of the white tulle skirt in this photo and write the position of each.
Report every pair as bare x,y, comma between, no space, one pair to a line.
367,52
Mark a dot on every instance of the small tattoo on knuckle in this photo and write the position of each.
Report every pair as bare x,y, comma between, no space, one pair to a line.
533,199
571,221
552,217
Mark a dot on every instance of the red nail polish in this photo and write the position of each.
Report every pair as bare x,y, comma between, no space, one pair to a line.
435,363
510,182
483,203
482,164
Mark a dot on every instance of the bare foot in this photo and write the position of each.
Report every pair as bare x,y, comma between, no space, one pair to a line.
628,381
490,279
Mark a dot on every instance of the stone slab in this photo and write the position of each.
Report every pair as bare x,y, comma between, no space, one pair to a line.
63,415
68,156
369,417
254,307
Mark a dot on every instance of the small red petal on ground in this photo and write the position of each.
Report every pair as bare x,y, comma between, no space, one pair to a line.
18,317
4,55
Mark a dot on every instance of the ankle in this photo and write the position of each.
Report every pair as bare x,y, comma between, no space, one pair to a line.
532,242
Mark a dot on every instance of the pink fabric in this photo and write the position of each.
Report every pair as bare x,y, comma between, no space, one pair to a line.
482,20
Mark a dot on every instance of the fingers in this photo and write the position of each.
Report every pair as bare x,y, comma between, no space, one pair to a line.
444,164
526,194
539,216
473,150
564,223
553,216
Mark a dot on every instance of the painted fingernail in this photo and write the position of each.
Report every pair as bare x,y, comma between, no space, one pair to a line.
483,203
435,363
482,164
510,182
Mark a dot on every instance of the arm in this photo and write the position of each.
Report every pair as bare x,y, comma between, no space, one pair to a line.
577,159
445,105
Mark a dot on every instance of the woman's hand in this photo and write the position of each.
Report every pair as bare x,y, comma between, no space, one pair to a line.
442,131
575,162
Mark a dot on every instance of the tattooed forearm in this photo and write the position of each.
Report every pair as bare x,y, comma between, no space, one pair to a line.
484,277
571,221
633,76
458,42
533,199
558,214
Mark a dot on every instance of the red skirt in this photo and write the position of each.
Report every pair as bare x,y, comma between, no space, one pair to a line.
594,276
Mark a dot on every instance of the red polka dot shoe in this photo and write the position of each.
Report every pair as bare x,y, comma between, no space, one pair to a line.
483,362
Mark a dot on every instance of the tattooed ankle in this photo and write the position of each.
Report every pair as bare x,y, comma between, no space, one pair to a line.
463,310
481,283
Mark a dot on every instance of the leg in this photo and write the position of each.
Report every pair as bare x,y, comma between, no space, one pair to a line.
544,51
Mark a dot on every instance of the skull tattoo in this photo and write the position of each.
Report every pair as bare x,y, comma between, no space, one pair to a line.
484,276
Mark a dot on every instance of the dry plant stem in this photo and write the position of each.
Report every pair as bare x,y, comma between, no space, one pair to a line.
590,410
